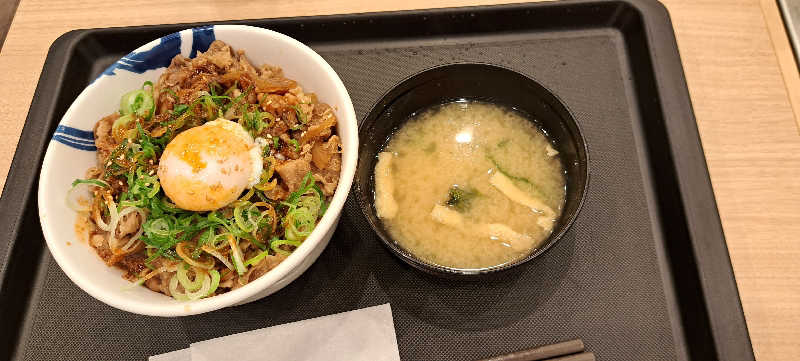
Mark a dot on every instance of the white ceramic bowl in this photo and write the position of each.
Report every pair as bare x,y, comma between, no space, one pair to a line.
71,152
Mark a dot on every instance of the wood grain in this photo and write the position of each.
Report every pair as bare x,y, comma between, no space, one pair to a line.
784,53
753,152
735,79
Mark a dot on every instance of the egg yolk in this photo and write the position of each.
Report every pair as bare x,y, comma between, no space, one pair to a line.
207,167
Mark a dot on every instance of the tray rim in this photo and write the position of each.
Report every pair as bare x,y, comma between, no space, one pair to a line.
710,248
713,266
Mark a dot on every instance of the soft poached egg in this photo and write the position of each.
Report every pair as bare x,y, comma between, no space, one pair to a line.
208,167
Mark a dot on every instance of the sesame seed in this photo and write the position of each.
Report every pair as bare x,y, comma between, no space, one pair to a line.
269,136
147,184
120,182
108,164
151,172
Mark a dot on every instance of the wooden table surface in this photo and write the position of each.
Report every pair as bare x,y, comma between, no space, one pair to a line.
737,65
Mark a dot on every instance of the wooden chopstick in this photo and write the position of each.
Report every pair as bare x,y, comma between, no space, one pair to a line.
545,352
583,356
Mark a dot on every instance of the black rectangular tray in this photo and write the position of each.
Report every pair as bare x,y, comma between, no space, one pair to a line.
644,273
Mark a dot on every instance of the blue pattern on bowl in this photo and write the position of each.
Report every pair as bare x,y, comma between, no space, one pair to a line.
75,138
202,38
159,56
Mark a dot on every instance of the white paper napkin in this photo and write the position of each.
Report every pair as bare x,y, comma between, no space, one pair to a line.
366,334
179,355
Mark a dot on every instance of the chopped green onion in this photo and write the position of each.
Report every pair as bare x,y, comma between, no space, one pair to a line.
296,145
204,238
278,243
73,197
179,109
203,291
169,205
183,278
236,255
121,122
217,240
157,227
316,188
323,207
214,282
170,92
257,258
244,225
311,202
265,151
254,121
137,102
212,87
232,87
299,223
95,182
300,114
258,244
210,101
267,115
305,184
239,98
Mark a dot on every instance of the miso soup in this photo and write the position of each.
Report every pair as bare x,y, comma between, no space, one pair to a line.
469,185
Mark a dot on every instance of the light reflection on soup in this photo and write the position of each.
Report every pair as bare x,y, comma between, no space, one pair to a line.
469,185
